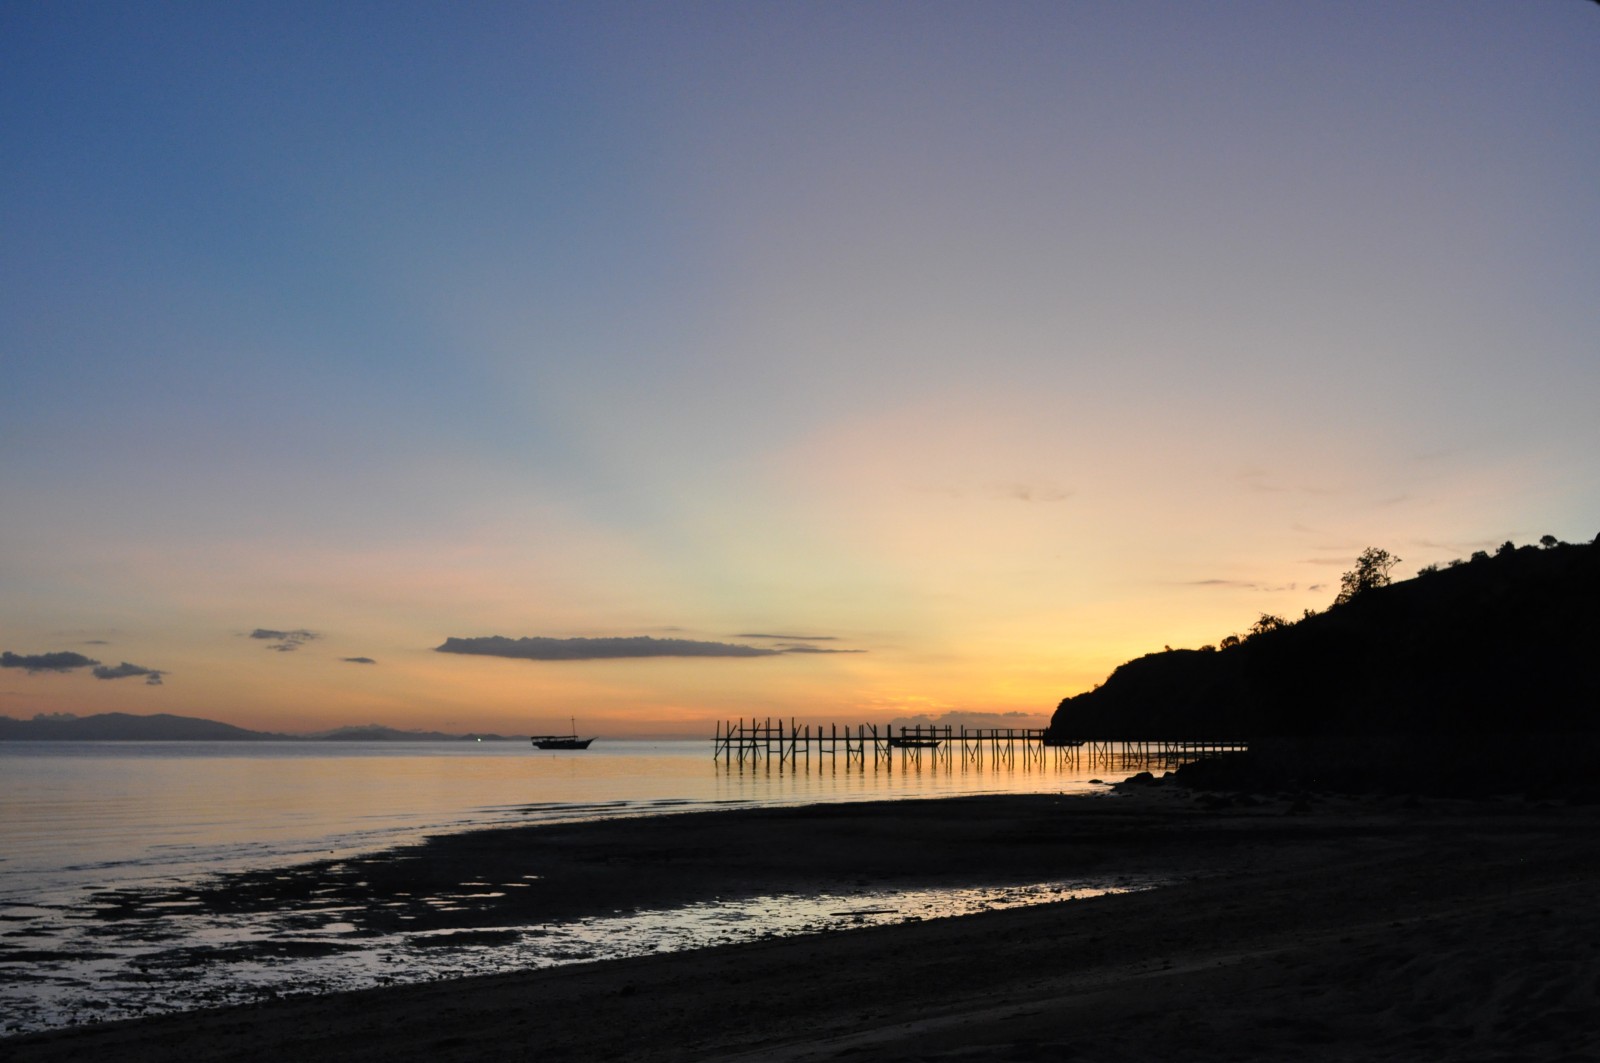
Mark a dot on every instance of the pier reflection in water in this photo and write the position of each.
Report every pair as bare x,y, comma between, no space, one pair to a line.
793,746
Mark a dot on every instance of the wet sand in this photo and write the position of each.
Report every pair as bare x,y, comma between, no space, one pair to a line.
1327,929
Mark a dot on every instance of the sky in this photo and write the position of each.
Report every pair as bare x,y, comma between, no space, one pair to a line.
473,367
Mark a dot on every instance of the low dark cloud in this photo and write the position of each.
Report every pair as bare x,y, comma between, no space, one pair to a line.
790,638
814,649
579,649
1246,585
33,663
284,641
799,643
152,676
358,660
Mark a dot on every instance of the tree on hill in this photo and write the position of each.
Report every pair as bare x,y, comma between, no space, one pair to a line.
1268,623
1372,570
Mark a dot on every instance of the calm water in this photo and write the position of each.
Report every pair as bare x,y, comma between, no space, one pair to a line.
80,818
77,813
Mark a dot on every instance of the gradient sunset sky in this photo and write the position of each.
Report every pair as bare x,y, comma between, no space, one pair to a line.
874,360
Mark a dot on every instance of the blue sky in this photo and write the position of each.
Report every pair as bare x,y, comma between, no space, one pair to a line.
997,343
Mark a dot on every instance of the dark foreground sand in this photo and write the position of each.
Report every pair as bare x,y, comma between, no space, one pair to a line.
1342,929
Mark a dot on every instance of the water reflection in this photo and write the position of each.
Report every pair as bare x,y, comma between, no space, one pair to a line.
87,819
81,971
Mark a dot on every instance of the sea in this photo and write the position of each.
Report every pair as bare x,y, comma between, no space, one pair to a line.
82,820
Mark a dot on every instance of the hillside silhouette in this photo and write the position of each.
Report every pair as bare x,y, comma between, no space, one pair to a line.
1500,645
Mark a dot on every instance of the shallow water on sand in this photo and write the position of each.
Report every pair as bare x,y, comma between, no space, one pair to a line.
91,972
82,819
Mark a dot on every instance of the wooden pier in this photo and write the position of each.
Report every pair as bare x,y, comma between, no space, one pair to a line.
791,745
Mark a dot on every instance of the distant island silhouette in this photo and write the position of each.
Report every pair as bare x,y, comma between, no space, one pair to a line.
164,727
1485,664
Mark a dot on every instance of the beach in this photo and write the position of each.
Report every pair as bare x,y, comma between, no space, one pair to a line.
1322,926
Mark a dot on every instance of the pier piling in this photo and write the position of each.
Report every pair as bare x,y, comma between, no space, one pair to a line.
784,744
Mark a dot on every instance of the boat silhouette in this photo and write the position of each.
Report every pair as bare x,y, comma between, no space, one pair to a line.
566,741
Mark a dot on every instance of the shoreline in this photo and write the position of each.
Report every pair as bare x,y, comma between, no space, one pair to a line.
1358,925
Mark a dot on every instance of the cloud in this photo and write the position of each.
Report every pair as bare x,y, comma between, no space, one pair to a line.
284,641
152,676
1034,493
66,661
358,660
62,661
801,640
1245,585
959,716
791,638
579,649
814,649
972,720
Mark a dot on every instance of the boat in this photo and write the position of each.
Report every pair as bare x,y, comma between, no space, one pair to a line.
566,741
560,742
915,743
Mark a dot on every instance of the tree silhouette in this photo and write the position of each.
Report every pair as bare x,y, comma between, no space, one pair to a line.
1372,570
1267,623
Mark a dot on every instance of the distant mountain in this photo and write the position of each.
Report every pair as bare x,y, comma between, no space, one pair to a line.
1499,645
122,727
374,732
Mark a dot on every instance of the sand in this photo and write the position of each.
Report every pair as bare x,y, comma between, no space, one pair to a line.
1334,928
